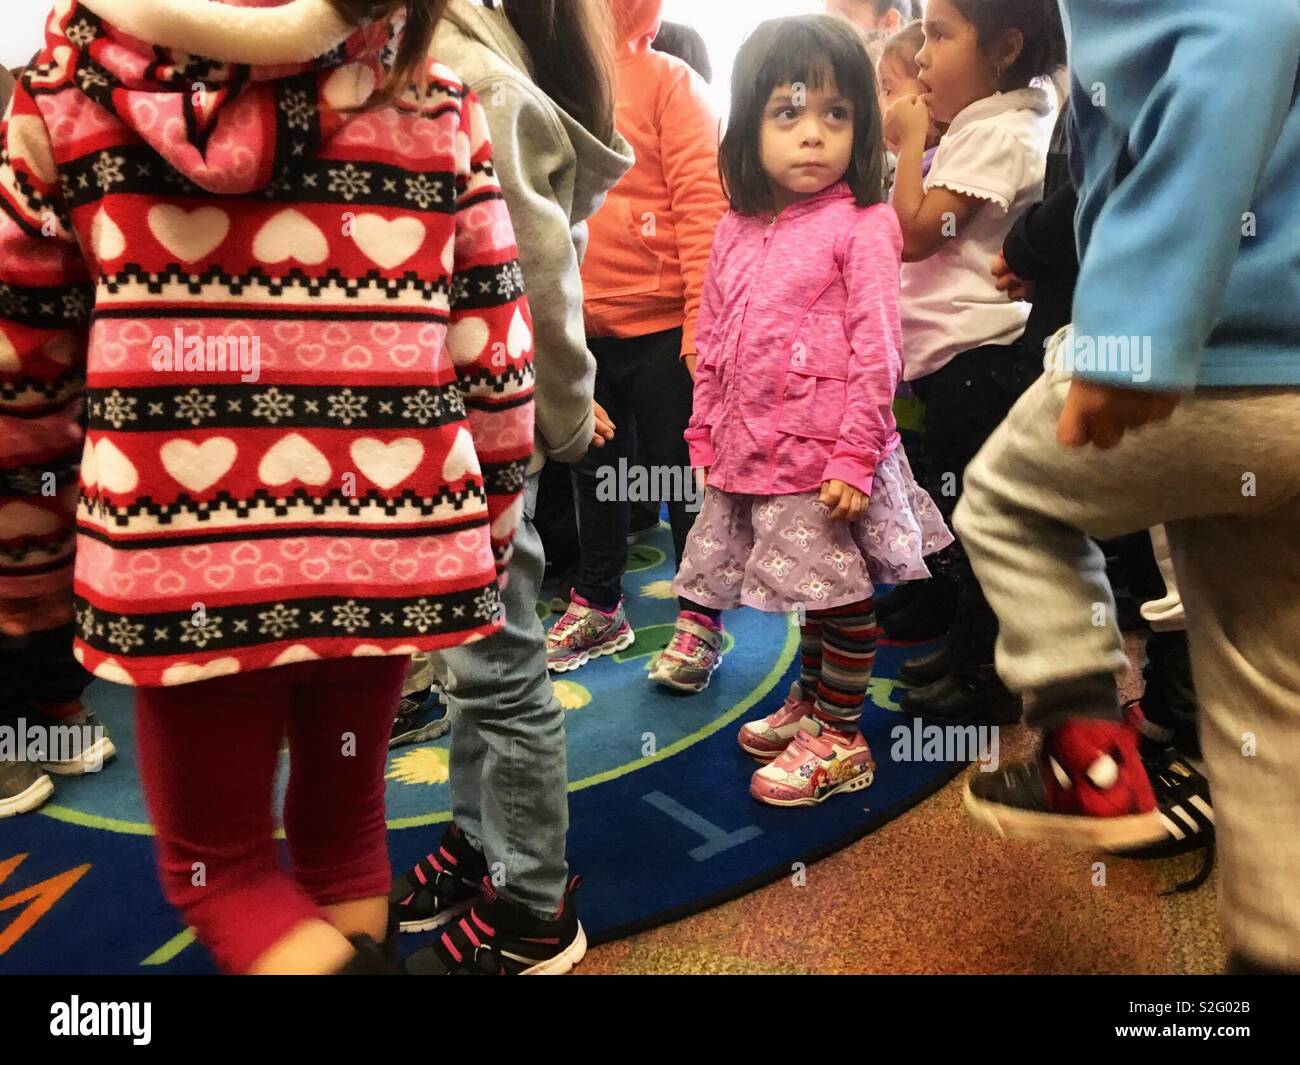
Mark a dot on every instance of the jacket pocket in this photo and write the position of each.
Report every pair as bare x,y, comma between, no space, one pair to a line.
626,265
815,387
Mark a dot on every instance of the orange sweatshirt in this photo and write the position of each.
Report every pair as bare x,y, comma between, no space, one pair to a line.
650,242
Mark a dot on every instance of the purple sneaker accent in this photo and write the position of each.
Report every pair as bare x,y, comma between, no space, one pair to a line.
586,632
694,652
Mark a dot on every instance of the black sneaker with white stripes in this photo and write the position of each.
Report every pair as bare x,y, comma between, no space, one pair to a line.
501,938
1183,802
442,886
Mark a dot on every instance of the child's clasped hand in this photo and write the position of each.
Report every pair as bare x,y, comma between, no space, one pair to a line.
845,501
908,119
1015,287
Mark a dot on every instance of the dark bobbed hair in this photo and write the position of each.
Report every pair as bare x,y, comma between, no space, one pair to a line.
687,45
805,49
1039,22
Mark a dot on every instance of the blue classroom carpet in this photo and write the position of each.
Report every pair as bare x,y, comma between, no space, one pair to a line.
662,824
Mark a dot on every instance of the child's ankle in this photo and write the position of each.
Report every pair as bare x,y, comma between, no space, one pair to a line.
594,604
1095,696
713,622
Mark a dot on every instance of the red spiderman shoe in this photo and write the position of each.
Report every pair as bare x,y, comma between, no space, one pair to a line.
1087,788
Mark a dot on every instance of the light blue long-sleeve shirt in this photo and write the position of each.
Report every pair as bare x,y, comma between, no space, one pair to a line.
1198,246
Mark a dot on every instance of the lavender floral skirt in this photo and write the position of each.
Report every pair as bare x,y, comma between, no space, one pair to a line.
776,553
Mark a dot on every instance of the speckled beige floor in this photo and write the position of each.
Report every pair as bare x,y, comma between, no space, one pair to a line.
931,893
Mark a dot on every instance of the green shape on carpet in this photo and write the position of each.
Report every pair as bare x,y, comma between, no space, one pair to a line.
880,690
170,949
642,557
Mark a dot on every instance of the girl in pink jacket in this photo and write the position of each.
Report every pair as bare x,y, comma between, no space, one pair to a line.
810,497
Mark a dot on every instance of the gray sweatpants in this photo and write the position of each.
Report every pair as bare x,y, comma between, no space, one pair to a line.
1223,474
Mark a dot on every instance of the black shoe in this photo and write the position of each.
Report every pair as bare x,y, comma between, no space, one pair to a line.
917,622
926,611
975,699
500,938
370,959
1183,799
420,717
926,669
899,596
442,886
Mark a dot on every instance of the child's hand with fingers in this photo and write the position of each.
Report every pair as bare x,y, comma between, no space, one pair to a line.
908,119
22,617
1102,414
604,430
1016,288
845,501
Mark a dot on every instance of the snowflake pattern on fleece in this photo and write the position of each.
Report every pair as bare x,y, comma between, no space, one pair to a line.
358,492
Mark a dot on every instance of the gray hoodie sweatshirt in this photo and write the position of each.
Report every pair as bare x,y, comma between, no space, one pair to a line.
555,175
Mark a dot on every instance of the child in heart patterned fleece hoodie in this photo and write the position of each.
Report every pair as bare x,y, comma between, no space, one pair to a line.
299,333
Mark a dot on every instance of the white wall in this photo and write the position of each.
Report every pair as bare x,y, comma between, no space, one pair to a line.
22,30
725,24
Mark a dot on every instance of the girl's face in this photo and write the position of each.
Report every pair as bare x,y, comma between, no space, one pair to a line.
895,81
954,71
805,140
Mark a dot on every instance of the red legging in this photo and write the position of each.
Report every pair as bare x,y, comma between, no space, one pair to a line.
208,754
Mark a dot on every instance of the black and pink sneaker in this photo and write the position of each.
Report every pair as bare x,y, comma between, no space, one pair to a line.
501,938
442,886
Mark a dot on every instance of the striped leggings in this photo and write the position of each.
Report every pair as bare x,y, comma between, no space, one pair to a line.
837,650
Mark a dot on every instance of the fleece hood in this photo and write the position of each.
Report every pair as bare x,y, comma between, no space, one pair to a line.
637,23
600,164
192,76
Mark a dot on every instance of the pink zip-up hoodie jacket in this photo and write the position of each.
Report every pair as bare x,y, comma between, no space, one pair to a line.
800,348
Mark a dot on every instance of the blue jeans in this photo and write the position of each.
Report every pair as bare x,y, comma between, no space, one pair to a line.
509,766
